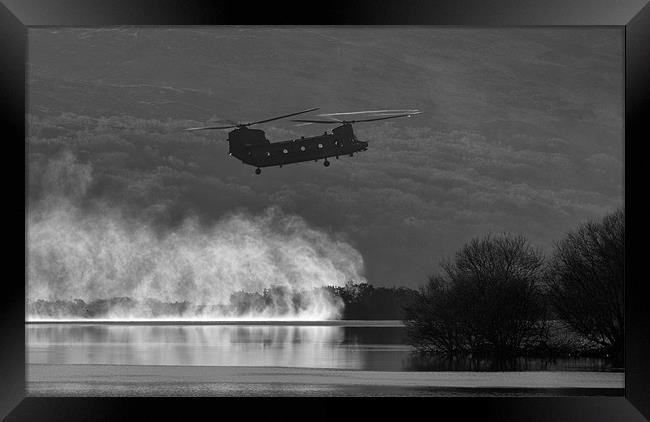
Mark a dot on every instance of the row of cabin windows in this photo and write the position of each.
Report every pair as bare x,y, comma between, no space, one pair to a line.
302,148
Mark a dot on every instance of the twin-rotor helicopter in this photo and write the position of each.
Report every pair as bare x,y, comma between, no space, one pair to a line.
252,148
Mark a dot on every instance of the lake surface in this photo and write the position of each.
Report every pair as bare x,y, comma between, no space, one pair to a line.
364,348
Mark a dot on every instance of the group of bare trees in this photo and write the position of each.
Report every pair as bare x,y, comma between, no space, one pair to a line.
586,283
488,298
497,293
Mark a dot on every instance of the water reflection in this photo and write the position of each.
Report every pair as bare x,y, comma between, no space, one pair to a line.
362,348
442,363
187,345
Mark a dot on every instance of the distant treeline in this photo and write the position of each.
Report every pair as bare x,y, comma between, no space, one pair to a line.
105,308
360,301
365,301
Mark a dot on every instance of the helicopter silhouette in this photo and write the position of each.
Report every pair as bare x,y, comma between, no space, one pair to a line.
253,148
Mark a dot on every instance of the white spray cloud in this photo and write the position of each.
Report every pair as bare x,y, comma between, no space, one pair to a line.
78,254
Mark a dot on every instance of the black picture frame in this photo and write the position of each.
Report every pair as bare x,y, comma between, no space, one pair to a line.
634,15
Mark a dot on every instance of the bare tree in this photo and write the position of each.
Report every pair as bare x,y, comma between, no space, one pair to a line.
586,281
487,299
434,322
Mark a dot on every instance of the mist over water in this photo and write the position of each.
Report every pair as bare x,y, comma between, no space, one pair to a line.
74,253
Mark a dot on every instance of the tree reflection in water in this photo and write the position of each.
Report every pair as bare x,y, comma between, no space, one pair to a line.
420,362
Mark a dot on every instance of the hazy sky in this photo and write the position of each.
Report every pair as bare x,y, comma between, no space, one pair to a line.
521,129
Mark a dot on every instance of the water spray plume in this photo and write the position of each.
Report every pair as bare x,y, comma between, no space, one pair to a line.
90,255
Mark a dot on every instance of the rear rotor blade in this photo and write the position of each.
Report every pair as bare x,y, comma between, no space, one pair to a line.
383,118
329,122
381,112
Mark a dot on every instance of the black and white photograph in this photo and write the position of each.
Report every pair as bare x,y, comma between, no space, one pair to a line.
325,211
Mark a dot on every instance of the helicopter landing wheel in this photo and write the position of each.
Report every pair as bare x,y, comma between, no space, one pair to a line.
258,170
326,163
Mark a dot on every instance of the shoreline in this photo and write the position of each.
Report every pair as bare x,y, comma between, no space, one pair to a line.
263,380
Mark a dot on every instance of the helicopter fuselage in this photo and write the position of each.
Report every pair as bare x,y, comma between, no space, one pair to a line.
251,147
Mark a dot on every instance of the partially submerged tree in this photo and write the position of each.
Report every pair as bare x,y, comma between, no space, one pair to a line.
586,281
486,300
434,321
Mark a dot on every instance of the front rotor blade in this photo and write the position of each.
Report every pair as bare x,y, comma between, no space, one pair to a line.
280,117
210,127
229,121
